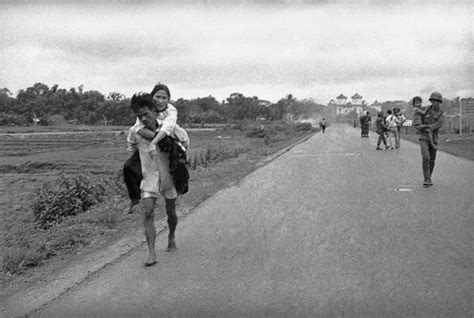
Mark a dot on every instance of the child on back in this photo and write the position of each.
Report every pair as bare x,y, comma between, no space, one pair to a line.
418,113
167,116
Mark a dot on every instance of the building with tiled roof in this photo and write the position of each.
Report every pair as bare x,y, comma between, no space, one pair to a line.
355,105
356,99
341,97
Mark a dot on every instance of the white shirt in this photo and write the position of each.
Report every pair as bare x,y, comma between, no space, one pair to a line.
392,121
155,171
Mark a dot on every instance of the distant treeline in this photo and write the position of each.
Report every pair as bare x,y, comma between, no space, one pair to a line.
57,106
45,105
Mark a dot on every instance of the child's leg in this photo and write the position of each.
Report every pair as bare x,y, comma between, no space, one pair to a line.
430,138
132,175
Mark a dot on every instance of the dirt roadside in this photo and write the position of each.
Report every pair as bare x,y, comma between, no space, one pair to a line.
45,283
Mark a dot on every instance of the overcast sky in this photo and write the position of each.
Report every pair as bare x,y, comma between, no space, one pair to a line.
311,49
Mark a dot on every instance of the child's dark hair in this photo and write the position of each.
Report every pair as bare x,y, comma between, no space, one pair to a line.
160,87
415,99
139,100
389,111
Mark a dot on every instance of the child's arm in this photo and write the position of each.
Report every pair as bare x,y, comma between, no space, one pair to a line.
421,110
417,119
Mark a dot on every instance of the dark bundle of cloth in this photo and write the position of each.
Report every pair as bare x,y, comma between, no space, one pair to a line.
178,168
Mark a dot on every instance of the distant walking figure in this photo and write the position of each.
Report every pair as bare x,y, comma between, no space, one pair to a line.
381,129
362,125
365,121
322,124
432,120
392,122
400,120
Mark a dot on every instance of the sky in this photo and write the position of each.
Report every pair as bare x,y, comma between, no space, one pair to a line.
382,50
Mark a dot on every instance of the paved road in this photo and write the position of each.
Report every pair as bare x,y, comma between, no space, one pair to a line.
330,228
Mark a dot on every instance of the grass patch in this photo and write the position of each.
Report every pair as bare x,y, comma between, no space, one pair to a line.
460,146
30,167
28,246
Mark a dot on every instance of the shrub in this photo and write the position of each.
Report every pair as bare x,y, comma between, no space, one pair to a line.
239,126
261,132
15,259
256,133
303,126
28,247
213,154
65,197
268,140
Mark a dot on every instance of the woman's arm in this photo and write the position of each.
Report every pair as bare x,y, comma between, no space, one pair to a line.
146,133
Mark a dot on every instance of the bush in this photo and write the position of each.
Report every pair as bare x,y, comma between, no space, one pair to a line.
15,260
65,197
256,133
261,132
303,126
213,154
239,126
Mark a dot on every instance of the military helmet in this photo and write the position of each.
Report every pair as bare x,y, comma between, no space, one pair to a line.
436,96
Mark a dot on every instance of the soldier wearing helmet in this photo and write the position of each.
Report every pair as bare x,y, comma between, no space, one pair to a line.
430,121
435,96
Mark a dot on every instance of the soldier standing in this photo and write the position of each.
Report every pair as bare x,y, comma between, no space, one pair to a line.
432,120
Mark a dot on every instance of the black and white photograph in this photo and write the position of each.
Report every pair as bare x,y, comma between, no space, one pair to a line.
248,158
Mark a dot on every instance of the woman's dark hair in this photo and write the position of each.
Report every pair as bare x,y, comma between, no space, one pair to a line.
161,87
139,100
415,99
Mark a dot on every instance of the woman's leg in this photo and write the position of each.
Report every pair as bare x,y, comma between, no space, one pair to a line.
132,175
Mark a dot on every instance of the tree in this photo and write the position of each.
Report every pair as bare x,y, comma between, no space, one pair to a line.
115,96
6,100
